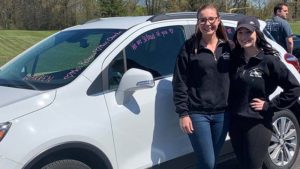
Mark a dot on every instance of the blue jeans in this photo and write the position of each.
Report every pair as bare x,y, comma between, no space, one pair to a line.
208,137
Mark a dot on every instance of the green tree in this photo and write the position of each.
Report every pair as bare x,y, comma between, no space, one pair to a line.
111,7
153,6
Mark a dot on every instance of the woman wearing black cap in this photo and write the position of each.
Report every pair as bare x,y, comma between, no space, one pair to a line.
256,71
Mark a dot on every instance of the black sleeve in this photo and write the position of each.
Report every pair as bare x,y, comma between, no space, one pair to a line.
281,76
180,87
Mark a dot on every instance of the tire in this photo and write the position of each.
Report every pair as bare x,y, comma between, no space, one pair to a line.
284,145
66,164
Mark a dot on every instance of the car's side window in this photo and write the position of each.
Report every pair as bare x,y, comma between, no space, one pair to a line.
116,69
154,51
230,32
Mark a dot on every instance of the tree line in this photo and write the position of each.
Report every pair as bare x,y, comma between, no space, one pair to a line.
59,14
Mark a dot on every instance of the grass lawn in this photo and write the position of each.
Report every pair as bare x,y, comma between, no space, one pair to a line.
295,27
13,42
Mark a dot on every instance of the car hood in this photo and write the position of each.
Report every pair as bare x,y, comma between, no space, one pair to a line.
17,102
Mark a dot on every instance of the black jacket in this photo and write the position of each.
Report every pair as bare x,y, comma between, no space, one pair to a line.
258,79
201,79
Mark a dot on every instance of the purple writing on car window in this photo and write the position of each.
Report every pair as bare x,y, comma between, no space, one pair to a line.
88,60
151,36
106,42
41,78
72,73
228,30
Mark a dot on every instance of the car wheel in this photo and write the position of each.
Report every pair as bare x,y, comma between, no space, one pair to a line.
284,145
66,164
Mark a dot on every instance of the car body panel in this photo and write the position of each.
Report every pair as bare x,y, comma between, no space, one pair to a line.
138,124
112,23
29,100
67,119
141,133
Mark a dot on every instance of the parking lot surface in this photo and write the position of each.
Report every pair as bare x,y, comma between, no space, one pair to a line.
233,164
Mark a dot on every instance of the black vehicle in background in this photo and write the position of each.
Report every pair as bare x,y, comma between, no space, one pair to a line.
296,50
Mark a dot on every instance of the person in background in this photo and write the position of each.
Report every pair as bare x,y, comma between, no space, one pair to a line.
201,86
255,73
280,28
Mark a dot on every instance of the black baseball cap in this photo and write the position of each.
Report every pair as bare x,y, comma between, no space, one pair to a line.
249,22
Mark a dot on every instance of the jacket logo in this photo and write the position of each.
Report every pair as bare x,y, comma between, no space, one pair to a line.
256,72
226,55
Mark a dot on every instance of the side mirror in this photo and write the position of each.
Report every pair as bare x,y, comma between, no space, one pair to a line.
134,79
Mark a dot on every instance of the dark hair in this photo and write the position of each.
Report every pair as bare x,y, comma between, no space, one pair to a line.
220,31
279,7
261,43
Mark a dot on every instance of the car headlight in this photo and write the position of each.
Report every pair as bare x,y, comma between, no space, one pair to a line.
4,127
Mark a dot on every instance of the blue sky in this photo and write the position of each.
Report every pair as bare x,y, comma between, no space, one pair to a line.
142,2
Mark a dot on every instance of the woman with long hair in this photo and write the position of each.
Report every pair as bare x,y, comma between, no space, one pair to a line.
255,73
201,86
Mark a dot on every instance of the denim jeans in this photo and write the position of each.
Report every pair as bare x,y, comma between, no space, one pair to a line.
208,137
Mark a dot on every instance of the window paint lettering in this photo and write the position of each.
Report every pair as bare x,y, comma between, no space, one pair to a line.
144,39
139,42
134,46
72,73
109,39
171,30
229,31
86,61
164,33
89,59
157,33
149,37
41,78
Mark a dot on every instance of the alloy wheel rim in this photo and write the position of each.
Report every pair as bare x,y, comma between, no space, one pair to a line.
283,142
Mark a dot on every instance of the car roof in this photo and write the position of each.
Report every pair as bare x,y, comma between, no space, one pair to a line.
125,22
130,21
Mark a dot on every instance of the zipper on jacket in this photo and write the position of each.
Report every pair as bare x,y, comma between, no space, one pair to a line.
214,53
215,56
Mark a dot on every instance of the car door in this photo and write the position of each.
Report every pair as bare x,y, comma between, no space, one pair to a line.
145,129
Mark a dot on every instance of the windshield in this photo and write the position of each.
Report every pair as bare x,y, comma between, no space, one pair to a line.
58,60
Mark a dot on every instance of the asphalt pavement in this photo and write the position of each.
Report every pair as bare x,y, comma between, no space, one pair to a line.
297,164
232,164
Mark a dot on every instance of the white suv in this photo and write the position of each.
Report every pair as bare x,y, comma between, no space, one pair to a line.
99,96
